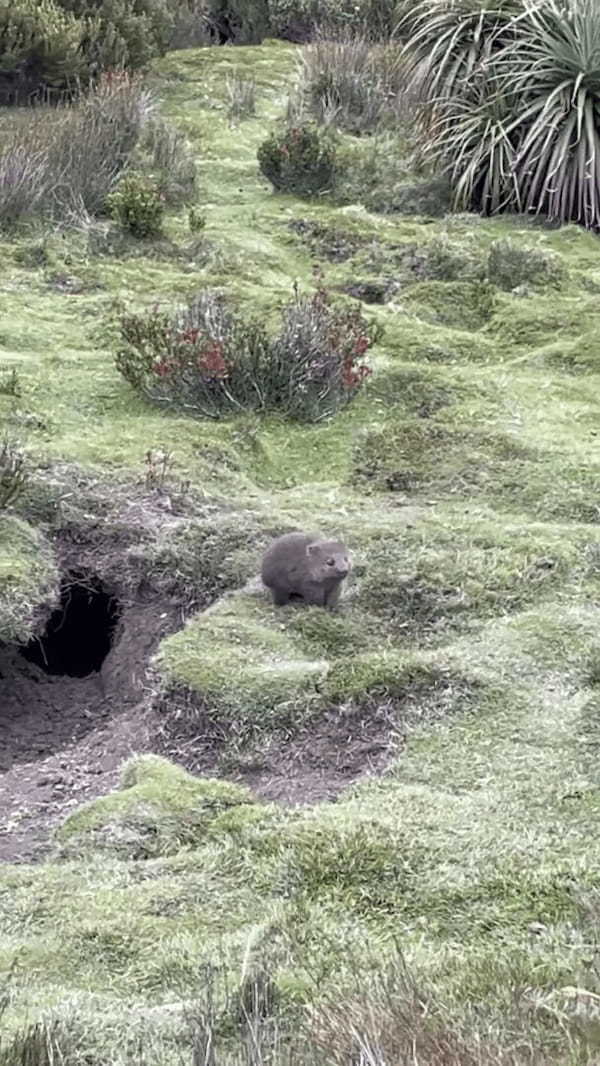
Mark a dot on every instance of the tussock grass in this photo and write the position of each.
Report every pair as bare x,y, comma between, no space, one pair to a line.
353,83
242,97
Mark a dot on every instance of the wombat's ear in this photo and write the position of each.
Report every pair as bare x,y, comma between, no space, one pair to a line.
311,549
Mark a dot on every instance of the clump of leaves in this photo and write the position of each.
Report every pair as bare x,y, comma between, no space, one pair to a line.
208,361
137,205
300,159
13,473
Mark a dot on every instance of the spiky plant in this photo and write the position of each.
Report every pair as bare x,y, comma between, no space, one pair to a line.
450,41
555,67
511,105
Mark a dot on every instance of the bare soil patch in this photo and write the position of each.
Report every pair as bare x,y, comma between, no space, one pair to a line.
62,739
309,765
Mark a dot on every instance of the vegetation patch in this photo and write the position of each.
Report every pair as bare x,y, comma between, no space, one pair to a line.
158,810
28,579
207,361
460,304
327,241
430,582
243,666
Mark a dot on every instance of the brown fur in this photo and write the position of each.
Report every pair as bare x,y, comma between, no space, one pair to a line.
303,565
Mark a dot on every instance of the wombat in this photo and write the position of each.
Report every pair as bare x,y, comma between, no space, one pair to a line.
302,565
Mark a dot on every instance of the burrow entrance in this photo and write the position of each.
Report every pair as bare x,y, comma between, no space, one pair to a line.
80,632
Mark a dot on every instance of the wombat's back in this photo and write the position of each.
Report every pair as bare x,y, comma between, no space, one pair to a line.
285,562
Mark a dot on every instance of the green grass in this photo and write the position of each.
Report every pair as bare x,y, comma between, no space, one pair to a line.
464,480
28,578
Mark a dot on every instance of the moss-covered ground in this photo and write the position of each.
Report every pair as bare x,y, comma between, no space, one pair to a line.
466,481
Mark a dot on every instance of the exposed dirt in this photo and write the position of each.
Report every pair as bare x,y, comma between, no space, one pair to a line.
62,739
310,766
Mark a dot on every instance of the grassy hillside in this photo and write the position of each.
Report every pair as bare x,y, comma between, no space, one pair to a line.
465,481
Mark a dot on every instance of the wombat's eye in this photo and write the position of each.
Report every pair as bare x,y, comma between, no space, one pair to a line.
331,562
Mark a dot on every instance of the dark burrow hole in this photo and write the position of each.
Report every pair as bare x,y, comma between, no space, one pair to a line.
80,631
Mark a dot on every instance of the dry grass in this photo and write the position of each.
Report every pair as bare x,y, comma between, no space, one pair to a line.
242,97
354,84
60,162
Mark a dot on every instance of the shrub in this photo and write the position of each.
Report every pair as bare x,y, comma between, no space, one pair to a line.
55,46
122,34
13,473
41,49
208,361
191,25
298,159
137,205
511,96
353,83
510,265
297,19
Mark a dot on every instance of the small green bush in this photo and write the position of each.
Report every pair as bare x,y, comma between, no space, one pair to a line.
56,46
299,159
510,265
208,361
137,205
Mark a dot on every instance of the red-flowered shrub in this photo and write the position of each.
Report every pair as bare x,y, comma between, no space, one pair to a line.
207,361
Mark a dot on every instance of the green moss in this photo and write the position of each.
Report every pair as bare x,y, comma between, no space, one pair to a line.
360,862
575,354
158,810
28,579
460,304
533,320
323,632
406,338
438,578
502,469
240,661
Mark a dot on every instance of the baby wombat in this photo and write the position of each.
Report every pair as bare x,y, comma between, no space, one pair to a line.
302,565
